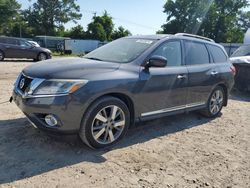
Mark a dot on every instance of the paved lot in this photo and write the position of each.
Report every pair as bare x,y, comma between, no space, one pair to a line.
181,151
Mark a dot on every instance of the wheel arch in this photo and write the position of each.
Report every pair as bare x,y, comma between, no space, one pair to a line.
224,87
2,52
41,52
124,98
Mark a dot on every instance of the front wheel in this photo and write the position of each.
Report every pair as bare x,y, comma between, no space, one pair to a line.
1,56
105,122
42,57
215,102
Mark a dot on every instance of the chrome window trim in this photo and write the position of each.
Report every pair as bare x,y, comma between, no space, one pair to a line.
173,109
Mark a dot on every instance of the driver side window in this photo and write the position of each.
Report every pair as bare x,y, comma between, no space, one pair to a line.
171,51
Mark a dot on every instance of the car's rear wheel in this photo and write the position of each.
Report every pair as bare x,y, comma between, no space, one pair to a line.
1,56
42,56
105,122
215,102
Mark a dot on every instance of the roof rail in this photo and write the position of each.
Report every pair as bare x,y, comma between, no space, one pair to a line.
194,36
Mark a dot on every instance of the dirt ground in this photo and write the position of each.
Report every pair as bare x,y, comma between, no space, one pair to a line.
180,151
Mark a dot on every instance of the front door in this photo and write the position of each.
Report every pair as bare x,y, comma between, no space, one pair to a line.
164,89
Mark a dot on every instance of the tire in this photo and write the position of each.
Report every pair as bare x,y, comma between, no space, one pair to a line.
42,56
99,128
215,103
1,56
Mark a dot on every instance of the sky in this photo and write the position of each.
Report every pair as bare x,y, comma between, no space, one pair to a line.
138,16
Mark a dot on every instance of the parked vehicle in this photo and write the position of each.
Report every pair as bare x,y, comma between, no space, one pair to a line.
241,61
20,48
128,80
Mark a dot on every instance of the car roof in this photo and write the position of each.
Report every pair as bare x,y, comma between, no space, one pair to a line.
12,38
150,37
178,35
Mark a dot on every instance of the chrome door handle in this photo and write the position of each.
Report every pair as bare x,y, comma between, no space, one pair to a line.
181,77
213,73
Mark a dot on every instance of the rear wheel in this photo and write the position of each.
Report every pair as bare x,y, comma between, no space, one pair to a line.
105,122
215,102
1,56
42,56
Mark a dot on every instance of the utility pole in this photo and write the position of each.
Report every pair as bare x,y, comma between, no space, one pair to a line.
20,30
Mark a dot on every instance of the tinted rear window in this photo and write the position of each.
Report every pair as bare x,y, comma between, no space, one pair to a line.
217,53
2,40
11,41
196,53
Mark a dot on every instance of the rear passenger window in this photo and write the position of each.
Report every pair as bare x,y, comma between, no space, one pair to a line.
217,53
2,40
171,51
11,41
196,53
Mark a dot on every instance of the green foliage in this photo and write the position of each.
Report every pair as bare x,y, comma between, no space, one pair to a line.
101,28
120,32
211,18
244,21
8,10
76,32
46,16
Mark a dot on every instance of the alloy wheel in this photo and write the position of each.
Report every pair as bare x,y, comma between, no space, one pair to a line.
108,124
42,57
1,56
216,102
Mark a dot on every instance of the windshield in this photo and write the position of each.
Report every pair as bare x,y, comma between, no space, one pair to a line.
242,51
121,51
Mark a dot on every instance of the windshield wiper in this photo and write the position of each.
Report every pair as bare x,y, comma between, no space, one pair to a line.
93,58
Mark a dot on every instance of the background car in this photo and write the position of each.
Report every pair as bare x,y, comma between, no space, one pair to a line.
20,48
241,61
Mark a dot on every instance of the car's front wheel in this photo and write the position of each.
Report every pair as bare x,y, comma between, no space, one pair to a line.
1,56
215,102
105,122
42,56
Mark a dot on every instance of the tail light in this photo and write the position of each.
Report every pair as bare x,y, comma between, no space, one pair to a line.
233,70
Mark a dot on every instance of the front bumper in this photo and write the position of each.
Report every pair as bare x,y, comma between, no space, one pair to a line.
67,109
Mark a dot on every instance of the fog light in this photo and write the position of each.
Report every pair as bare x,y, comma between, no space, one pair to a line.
51,120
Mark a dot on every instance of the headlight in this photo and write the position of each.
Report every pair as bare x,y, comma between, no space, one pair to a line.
54,87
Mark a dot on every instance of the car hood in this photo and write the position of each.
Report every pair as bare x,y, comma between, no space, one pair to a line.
240,60
69,68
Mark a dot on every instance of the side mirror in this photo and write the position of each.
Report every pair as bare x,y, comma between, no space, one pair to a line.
156,61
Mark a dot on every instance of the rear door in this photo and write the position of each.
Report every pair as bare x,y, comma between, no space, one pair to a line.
202,74
164,89
12,48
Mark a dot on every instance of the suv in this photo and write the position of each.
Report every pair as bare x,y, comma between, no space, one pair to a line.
21,48
128,80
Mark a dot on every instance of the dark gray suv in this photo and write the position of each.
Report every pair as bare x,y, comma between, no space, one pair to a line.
20,48
131,79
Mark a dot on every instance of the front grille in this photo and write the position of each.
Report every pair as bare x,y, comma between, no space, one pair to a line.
24,83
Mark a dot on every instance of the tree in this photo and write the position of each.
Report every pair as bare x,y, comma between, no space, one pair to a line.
244,21
101,28
211,18
120,32
96,31
76,32
46,16
8,10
